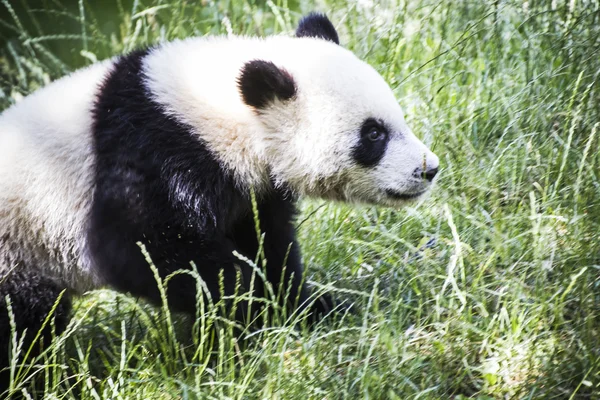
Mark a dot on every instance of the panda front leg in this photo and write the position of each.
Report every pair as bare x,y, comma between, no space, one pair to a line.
286,274
284,269
32,297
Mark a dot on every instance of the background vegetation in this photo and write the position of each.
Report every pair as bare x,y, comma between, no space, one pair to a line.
489,289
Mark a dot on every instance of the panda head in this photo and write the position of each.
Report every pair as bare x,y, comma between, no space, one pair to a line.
331,126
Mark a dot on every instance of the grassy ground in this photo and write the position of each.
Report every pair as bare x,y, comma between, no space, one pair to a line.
489,289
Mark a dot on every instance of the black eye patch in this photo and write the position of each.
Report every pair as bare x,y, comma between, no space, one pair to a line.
371,146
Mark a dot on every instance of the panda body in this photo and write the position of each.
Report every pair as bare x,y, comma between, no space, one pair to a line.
164,146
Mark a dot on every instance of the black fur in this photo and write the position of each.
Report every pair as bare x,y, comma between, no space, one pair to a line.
369,153
261,82
32,297
319,26
157,183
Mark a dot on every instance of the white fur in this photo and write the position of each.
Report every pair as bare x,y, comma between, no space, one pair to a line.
304,143
45,179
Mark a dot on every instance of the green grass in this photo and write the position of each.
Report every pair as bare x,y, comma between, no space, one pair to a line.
504,302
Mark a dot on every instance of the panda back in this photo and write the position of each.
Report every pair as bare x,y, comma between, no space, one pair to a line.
46,164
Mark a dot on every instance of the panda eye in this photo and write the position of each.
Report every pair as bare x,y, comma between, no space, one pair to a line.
375,134
372,145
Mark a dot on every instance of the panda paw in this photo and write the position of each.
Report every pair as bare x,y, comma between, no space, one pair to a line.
328,307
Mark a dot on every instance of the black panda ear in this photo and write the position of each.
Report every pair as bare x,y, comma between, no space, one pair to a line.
318,26
261,82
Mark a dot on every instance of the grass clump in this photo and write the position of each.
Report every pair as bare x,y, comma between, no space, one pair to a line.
489,290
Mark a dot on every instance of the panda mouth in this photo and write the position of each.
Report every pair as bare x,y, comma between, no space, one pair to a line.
403,196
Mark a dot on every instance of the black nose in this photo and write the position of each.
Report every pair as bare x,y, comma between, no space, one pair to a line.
430,174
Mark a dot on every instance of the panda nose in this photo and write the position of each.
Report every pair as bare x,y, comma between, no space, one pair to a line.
428,174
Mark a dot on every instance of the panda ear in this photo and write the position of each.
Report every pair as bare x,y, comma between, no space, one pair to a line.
261,82
318,26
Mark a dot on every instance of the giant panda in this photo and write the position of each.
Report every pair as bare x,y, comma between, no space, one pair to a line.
167,146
